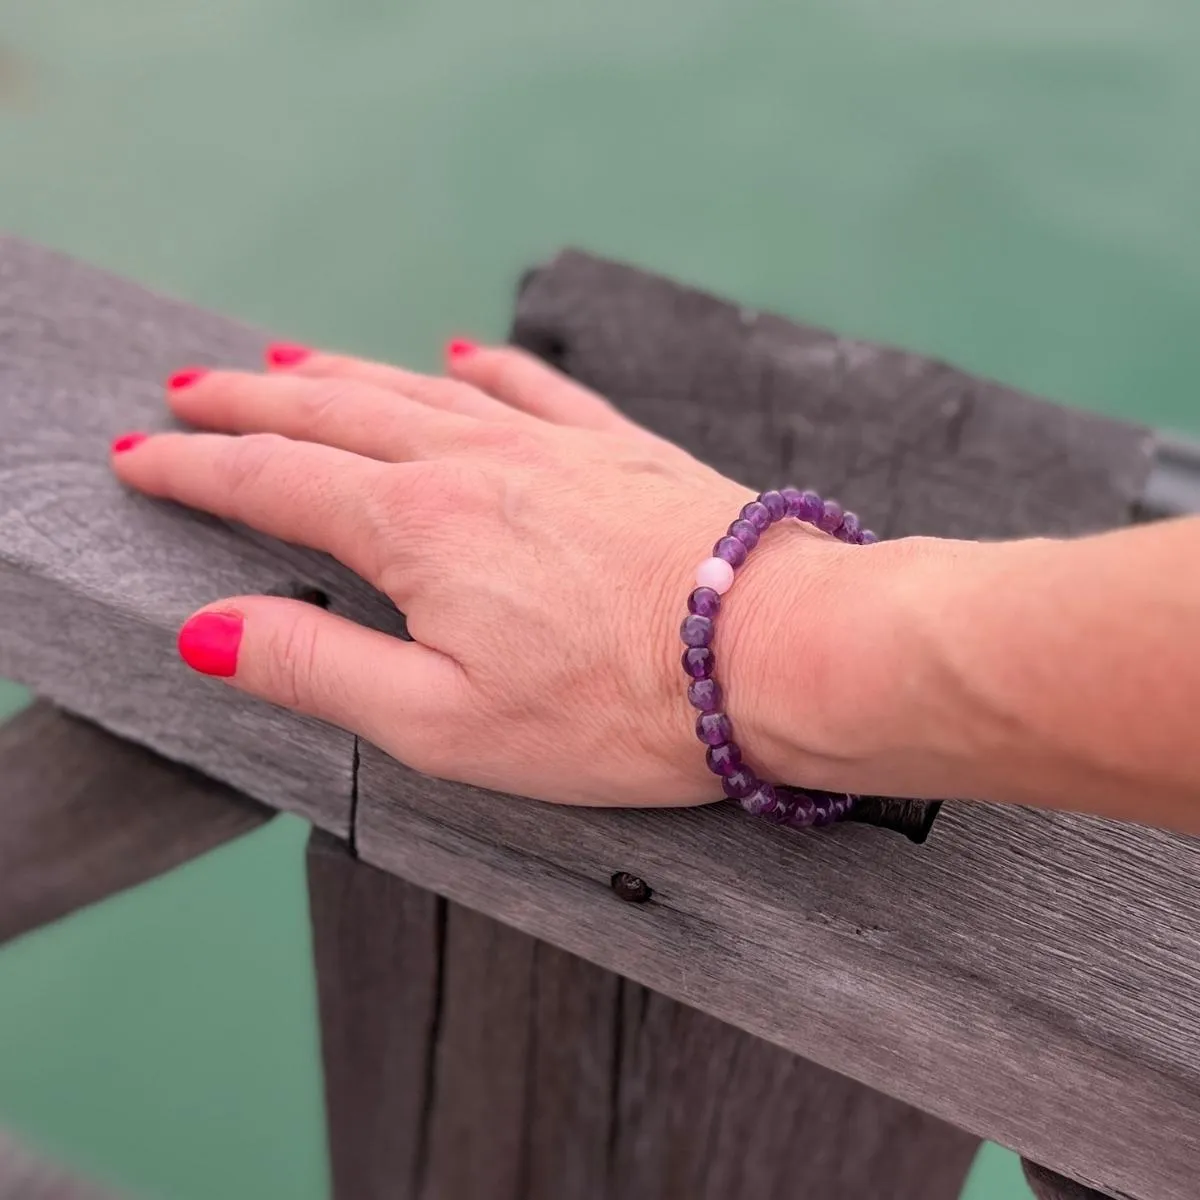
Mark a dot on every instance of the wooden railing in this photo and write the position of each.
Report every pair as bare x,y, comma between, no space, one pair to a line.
835,1014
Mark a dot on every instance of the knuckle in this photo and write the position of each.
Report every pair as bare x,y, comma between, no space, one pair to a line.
320,403
292,661
247,460
505,439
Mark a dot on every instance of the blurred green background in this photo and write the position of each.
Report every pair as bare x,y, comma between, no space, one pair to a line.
1012,186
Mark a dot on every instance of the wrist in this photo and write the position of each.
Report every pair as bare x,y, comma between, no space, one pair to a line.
842,649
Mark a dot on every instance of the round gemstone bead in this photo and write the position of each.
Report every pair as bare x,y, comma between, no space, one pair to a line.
810,507
791,497
831,517
696,630
775,504
715,574
713,728
699,662
704,694
723,759
745,533
739,783
704,602
802,810
850,529
757,515
824,814
867,538
731,550
762,802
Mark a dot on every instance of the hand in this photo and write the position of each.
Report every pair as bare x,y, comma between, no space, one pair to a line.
542,547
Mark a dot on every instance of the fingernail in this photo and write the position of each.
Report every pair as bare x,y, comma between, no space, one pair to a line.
186,377
286,354
209,642
460,348
128,441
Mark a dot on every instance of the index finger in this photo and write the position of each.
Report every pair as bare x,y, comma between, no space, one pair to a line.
310,494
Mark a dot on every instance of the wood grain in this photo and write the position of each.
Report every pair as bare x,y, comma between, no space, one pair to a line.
1030,977
94,581
467,1061
84,814
23,1176
1048,1186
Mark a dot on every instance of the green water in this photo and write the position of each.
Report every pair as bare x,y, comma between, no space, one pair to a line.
1011,186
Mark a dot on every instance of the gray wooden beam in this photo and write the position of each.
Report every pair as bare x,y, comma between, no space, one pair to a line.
467,1061
95,581
84,815
1032,977
24,1176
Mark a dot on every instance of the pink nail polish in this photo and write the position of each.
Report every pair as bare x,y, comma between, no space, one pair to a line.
186,377
209,643
286,354
460,348
128,441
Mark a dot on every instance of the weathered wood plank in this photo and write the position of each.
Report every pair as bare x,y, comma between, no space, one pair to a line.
377,948
1047,1185
1033,978
466,1061
23,1176
94,581
84,814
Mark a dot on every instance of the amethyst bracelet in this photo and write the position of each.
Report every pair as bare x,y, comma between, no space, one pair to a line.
798,807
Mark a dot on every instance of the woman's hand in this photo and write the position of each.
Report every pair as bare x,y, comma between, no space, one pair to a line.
542,548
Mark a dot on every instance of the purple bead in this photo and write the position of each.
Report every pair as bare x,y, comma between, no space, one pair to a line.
713,728
738,784
757,515
810,507
699,662
791,497
802,810
775,504
731,550
696,630
867,538
745,533
704,694
763,802
824,814
831,516
704,602
850,529
723,759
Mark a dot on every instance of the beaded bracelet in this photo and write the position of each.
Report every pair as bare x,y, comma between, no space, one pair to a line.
797,807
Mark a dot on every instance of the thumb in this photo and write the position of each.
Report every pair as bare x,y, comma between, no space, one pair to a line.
301,657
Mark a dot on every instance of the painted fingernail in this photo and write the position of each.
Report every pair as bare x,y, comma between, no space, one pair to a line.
460,348
128,441
186,377
286,354
209,642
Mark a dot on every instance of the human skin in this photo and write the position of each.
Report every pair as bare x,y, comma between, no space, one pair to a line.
542,547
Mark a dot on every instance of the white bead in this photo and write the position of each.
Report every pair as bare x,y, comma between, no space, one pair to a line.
715,573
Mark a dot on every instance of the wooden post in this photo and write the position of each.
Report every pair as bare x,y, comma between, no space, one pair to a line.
467,1061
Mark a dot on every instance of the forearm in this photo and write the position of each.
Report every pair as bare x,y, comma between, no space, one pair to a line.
1056,673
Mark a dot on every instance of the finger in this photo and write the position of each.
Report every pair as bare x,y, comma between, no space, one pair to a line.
431,390
314,662
529,385
345,413
313,495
